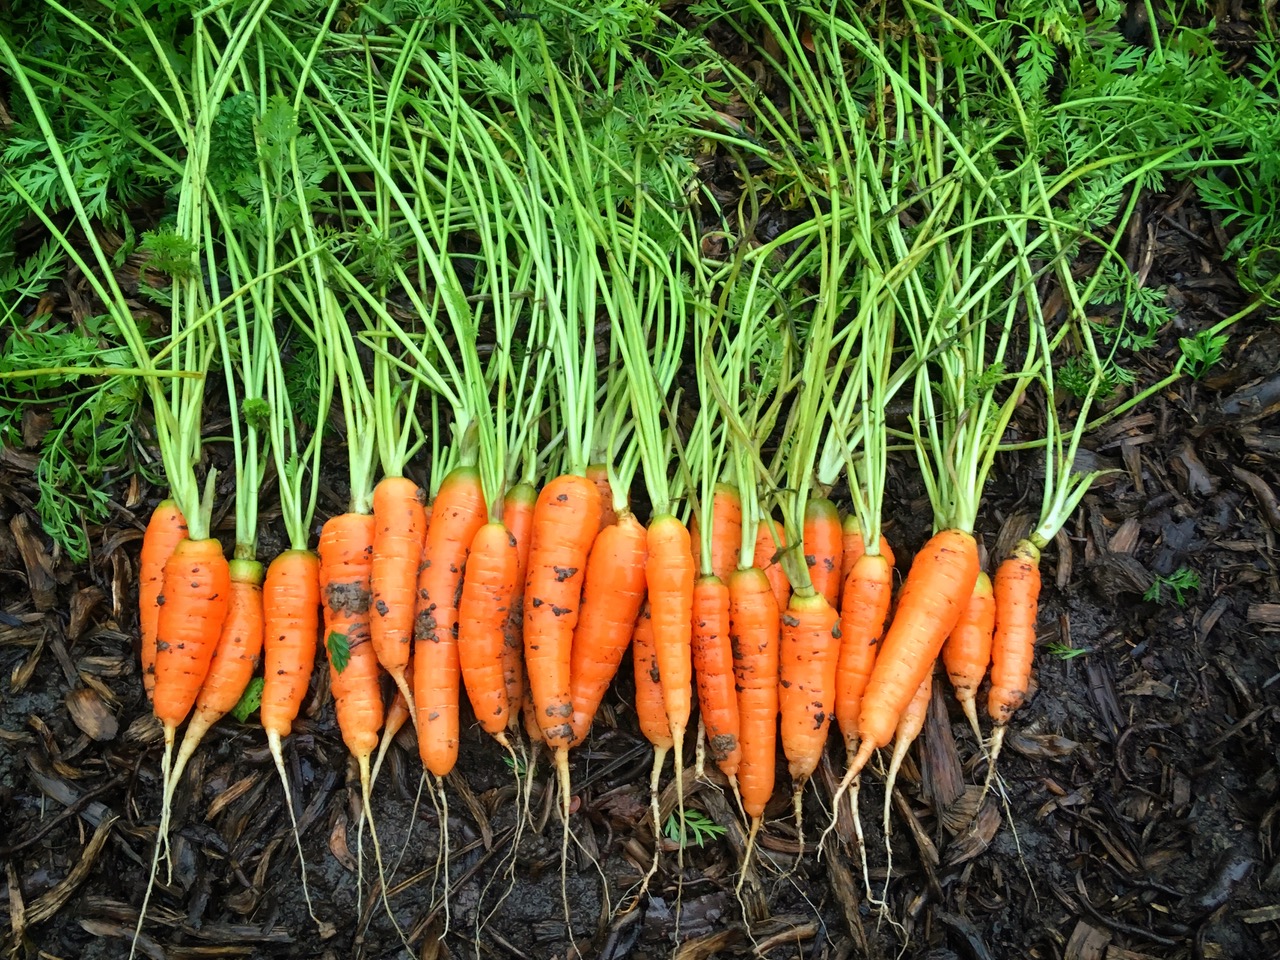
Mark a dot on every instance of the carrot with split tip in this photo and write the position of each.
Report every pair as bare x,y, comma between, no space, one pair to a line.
823,548
166,528
400,531
488,589
458,513
612,593
909,726
967,652
934,596
517,517
713,663
397,716
726,531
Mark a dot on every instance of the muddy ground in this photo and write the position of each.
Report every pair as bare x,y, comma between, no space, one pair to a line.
1140,804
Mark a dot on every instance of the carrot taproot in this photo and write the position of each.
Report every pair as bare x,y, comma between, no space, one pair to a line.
651,711
612,593
864,612
967,651
517,517
767,559
400,530
1017,598
909,726
934,596
458,514
397,716
854,546
598,473
726,531
566,520
166,528
713,663
488,586
823,547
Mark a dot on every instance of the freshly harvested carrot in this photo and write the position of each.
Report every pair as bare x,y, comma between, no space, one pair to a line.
808,657
967,652
726,531
291,609
669,573
400,530
566,520
598,473
854,546
458,514
766,559
234,660
864,611
488,587
651,711
1017,596
611,597
166,528
823,548
754,636
934,596
346,561
517,517
713,663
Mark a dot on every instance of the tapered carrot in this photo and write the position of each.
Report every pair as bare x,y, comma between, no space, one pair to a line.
488,589
713,668
397,716
967,652
1017,596
669,574
767,559
598,473
935,594
458,514
864,611
823,548
613,591
400,530
651,711
754,637
726,531
854,546
909,726
166,528
517,517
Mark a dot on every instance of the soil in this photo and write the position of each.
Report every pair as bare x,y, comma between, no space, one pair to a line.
1137,815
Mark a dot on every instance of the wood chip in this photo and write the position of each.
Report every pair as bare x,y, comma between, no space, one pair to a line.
37,561
1263,493
52,900
1261,914
1125,539
91,715
1264,613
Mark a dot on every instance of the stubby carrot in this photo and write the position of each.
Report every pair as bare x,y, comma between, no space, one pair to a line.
713,668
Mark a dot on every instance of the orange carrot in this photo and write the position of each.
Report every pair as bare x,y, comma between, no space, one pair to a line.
853,546
1017,596
651,711
754,636
934,596
598,473
165,530
397,717
967,652
458,514
909,726
823,546
517,517
864,611
566,520
767,559
807,678
669,574
611,597
726,531
291,608
713,667
487,591
400,530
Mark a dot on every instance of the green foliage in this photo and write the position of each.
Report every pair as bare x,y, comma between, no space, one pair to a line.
339,650
1064,651
250,700
1202,351
1181,582
697,828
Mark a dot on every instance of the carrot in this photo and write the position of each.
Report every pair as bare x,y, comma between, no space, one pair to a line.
766,559
864,611
934,596
1017,597
458,514
613,591
754,637
853,546
487,591
397,717
400,530
823,546
909,726
651,711
598,473
967,652
713,662
726,531
566,520
166,528
234,660
517,517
